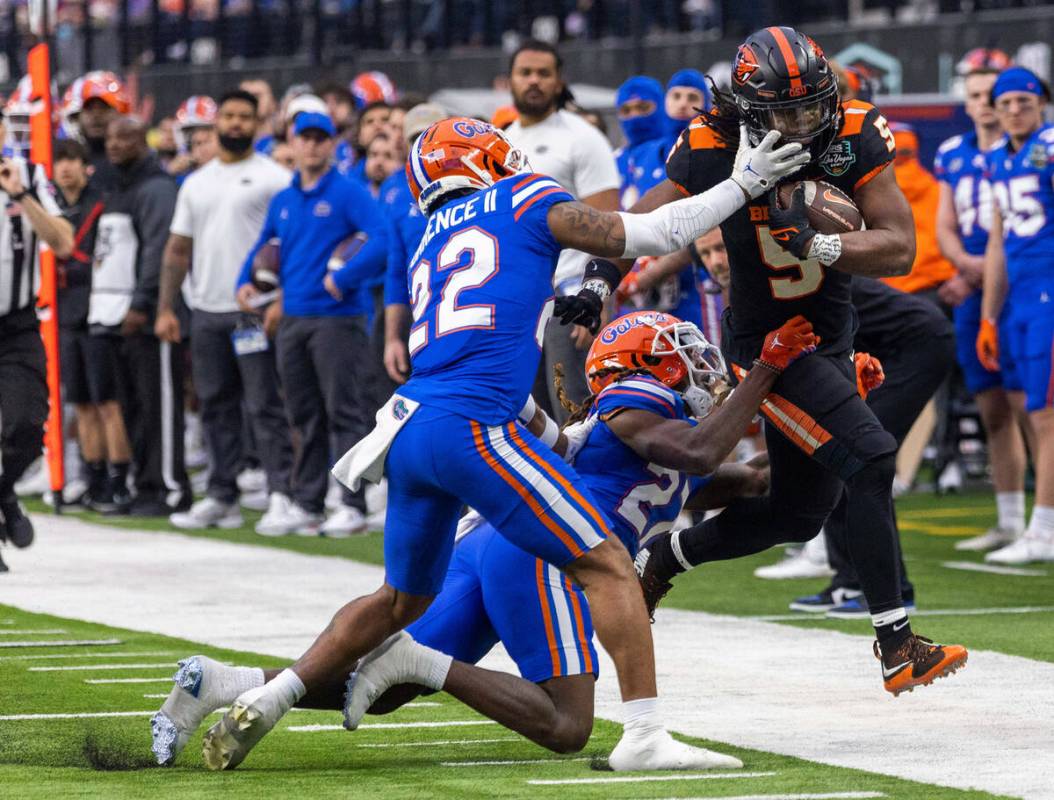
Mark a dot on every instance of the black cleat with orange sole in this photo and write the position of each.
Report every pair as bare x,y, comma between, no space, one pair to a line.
652,585
918,662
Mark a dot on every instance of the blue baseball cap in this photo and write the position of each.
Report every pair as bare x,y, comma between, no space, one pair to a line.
313,121
1019,79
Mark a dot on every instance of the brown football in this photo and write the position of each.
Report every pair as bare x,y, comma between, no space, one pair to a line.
830,209
265,267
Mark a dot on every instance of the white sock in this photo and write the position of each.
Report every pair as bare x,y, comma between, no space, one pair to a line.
1041,525
288,688
640,718
236,680
437,666
1011,508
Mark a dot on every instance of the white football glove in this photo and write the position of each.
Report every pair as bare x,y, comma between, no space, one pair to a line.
576,436
759,168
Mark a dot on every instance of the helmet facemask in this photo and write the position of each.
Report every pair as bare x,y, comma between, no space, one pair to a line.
705,367
813,123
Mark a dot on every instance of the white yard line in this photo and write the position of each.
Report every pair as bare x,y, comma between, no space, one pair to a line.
688,776
790,692
90,715
807,796
34,632
62,643
973,566
162,696
97,681
39,657
513,762
443,742
90,667
456,723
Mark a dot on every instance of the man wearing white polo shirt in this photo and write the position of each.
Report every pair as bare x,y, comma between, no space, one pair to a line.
563,145
219,213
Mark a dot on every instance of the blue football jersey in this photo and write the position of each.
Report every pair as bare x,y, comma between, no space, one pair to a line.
481,292
961,164
1023,188
640,499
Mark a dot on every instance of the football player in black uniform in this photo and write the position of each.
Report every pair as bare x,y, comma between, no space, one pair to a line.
820,433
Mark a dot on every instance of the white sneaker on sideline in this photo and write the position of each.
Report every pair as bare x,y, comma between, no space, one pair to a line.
252,480
277,509
199,481
255,501
375,521
991,539
35,480
334,495
809,562
208,513
289,518
194,697
344,522
1024,550
662,751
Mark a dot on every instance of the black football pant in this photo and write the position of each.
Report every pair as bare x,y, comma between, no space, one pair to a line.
23,395
821,438
916,345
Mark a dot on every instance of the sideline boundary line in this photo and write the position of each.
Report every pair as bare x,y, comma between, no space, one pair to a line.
690,776
973,566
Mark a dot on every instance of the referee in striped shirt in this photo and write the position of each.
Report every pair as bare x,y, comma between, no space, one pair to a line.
29,215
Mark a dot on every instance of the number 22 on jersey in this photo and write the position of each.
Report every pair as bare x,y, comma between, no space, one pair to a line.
467,261
788,285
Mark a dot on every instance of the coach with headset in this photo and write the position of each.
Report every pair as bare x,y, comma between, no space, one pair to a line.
30,214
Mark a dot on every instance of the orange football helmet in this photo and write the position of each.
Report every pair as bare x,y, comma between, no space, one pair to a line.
197,111
372,87
459,153
674,352
104,85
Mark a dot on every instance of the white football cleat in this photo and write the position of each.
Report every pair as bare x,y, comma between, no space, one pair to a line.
208,513
1025,550
396,661
249,719
662,751
991,539
193,698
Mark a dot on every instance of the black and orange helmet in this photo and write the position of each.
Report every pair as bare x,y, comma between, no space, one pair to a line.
781,81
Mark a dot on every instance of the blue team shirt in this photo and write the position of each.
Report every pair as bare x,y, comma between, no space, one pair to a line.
1023,187
640,499
480,285
406,226
961,164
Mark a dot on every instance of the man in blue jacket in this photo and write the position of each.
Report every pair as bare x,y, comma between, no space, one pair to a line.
322,345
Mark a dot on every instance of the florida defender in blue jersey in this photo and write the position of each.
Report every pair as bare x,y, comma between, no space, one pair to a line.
648,445
964,217
481,294
1019,269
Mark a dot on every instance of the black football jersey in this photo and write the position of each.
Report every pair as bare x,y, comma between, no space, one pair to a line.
769,284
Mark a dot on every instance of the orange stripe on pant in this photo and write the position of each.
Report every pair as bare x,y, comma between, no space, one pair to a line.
560,479
549,522
543,599
587,660
792,421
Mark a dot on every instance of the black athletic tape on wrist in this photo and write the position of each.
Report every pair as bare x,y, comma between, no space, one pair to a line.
602,269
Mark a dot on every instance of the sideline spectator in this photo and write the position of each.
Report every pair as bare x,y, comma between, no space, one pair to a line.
89,105
31,213
219,213
373,121
576,155
322,343
686,95
89,370
131,238
266,109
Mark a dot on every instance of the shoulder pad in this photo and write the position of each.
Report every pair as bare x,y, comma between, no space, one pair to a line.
702,137
950,144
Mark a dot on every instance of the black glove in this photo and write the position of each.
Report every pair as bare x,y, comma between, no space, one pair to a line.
790,226
599,281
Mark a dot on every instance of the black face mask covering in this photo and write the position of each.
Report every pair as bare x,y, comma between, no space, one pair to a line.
236,144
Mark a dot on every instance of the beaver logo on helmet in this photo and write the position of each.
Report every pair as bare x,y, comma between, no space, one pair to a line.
745,65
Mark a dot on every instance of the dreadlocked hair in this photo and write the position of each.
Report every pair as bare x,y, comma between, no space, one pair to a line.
724,115
579,411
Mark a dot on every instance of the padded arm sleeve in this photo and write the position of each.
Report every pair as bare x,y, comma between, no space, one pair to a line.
678,224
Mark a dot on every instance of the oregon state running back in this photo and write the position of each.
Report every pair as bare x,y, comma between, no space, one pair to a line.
821,435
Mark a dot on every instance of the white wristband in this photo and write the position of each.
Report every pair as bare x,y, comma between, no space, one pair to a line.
528,411
550,433
825,249
678,224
